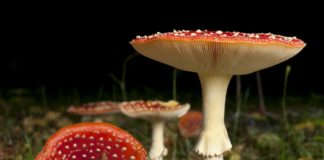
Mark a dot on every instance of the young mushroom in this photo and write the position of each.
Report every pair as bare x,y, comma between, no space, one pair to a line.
94,108
190,124
216,56
156,112
92,140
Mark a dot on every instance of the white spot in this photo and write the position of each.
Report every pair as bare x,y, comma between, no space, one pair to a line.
123,149
59,152
98,149
74,157
101,139
92,157
75,145
219,32
198,31
132,158
67,147
84,145
108,147
91,137
272,37
257,36
193,34
77,136
91,144
115,155
117,145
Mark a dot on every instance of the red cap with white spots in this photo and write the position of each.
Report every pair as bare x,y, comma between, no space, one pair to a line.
154,110
190,125
94,108
92,141
232,53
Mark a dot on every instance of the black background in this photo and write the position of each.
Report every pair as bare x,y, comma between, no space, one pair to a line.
79,45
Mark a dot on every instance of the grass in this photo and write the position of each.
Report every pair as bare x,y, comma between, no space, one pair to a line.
26,125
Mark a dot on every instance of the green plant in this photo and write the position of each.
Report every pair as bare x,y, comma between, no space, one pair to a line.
122,81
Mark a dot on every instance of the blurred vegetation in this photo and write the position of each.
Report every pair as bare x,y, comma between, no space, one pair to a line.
28,117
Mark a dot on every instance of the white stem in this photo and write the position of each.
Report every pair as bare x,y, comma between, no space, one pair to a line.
158,149
215,158
213,139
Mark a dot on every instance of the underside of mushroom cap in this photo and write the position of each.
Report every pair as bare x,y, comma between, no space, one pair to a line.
232,53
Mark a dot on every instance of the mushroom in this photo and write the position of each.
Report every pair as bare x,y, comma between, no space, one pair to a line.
92,140
190,125
156,112
94,108
216,56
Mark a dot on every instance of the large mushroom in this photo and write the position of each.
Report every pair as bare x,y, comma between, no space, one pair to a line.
92,140
216,56
156,112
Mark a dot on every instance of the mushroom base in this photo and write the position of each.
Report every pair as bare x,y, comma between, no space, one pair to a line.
213,144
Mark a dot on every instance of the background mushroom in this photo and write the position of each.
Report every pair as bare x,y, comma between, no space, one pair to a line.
156,112
216,56
94,108
190,124
92,141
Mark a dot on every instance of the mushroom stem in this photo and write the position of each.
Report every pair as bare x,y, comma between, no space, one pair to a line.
158,149
213,140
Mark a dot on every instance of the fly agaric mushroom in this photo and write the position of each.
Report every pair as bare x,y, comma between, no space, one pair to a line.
88,110
94,108
190,124
216,56
156,112
92,140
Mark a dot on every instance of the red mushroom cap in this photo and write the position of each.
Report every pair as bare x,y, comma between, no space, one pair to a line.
190,125
231,53
220,36
154,110
94,108
92,141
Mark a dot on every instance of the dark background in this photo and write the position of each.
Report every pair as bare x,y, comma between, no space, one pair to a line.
79,46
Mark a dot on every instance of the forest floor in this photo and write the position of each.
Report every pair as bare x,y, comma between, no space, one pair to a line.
29,117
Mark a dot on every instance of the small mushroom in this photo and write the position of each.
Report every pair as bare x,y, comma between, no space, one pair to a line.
87,110
94,108
190,124
216,56
156,112
92,140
